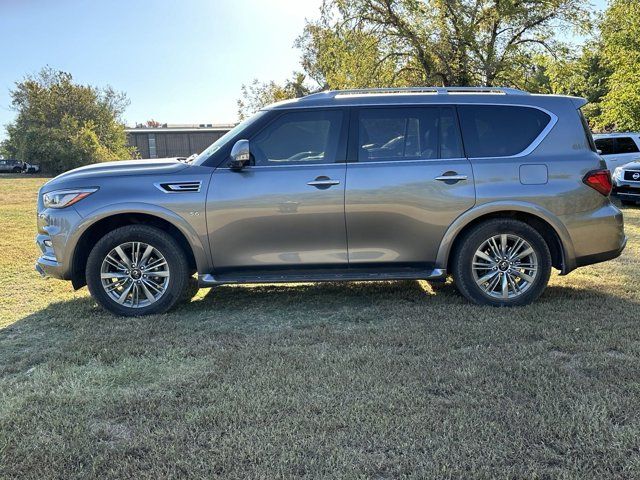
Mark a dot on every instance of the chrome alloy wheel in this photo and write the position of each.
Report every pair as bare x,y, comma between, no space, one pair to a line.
135,274
505,266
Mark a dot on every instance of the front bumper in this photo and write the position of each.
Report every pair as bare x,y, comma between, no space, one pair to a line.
627,191
53,239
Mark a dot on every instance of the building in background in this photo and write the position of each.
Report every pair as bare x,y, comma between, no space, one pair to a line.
174,140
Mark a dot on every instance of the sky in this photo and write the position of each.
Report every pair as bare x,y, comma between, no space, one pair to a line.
179,61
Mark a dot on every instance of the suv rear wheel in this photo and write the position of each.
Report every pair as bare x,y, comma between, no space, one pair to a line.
137,270
502,262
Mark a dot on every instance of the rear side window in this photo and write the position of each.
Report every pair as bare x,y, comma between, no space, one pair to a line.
500,130
387,134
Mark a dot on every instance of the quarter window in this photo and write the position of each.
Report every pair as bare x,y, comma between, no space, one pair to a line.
299,138
500,130
387,134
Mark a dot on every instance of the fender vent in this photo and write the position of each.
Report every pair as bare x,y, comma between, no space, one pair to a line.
179,187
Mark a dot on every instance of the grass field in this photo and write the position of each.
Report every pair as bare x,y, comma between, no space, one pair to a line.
362,380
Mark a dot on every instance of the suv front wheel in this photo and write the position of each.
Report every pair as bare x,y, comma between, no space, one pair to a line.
502,262
137,270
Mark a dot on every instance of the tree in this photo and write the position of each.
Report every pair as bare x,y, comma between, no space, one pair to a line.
584,74
257,95
62,125
621,53
364,43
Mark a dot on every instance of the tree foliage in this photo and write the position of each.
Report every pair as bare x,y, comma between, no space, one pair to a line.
62,125
256,95
387,43
621,53
434,42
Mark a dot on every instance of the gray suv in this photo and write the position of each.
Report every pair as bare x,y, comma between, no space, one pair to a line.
491,185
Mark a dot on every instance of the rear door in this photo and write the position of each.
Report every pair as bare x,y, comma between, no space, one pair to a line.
409,182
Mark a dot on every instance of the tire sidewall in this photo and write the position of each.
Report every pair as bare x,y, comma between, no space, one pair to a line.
463,275
160,240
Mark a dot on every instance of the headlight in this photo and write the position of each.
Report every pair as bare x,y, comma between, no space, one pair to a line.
617,173
64,198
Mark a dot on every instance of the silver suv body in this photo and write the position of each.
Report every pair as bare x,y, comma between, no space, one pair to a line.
493,186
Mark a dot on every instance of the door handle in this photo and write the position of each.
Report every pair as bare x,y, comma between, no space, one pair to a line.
323,182
451,177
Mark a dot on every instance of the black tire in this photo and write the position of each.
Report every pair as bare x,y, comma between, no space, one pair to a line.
473,239
164,243
17,170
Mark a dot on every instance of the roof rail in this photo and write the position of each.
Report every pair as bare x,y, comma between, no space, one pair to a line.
417,90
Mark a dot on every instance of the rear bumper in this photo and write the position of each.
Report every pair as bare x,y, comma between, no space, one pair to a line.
601,257
596,236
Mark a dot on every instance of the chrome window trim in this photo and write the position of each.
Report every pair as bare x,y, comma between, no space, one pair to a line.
255,167
391,162
532,146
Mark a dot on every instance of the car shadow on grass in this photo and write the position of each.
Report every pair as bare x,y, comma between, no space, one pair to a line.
79,330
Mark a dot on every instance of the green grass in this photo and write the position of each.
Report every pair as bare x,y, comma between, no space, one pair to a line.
360,380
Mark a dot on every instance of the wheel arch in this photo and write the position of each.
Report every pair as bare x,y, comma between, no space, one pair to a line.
98,225
554,233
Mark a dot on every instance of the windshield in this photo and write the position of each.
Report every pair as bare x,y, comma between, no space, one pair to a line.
218,144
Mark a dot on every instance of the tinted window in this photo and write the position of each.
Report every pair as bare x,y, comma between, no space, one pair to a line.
500,131
299,138
605,145
408,134
625,145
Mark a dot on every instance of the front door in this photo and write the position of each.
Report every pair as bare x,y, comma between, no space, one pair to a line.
285,210
410,182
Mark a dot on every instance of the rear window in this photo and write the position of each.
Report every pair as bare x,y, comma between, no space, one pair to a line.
500,130
616,145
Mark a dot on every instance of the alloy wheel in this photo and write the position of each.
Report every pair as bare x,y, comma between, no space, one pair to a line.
135,274
505,266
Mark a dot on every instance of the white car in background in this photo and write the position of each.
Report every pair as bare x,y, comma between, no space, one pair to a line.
618,149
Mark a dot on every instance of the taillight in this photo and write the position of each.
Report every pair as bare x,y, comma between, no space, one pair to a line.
599,180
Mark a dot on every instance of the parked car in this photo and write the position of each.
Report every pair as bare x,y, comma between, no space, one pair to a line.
30,168
618,149
10,166
626,183
492,185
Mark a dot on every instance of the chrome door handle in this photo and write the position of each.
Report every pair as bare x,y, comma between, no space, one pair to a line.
451,178
323,182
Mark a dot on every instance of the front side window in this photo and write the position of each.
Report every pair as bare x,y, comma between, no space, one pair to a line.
500,130
299,138
387,134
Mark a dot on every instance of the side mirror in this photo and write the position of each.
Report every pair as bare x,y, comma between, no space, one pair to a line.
240,155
